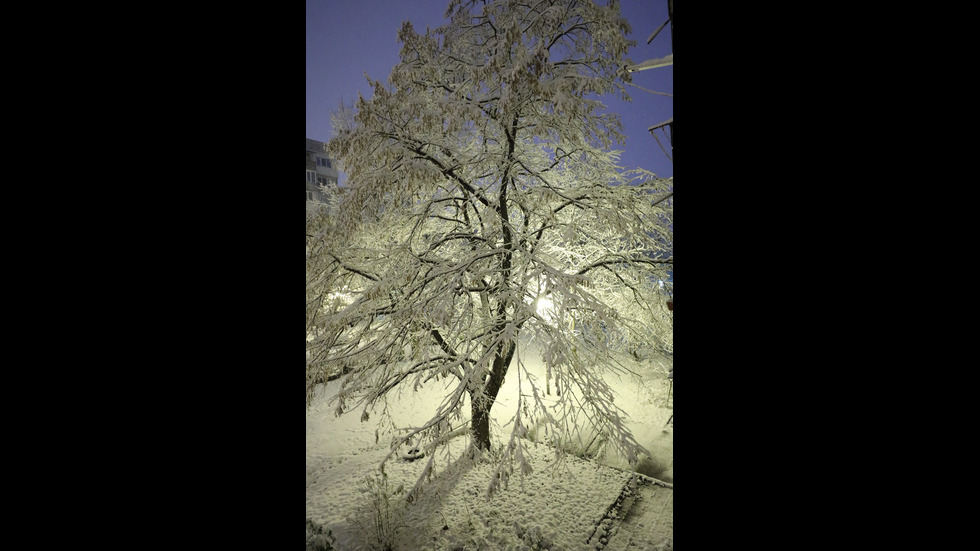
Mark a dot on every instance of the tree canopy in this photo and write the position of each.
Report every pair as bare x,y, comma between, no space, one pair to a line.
486,210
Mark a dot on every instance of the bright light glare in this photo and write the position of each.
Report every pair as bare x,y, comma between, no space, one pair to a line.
544,309
342,297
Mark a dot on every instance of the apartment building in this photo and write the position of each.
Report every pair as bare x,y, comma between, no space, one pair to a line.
320,171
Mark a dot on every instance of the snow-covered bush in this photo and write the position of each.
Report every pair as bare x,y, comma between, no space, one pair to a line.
653,467
316,538
465,533
378,522
583,441
534,538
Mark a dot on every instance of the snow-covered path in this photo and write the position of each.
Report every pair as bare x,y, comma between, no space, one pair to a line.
648,523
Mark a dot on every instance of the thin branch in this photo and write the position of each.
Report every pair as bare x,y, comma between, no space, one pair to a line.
608,262
651,91
354,270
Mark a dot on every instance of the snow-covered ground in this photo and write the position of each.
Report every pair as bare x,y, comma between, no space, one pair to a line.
560,505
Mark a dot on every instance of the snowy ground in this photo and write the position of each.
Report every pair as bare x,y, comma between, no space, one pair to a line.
560,505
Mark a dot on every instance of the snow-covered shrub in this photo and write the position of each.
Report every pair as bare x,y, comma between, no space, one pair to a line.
584,442
652,467
316,538
587,443
380,520
466,531
533,538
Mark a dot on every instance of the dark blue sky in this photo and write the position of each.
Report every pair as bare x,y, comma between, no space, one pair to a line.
345,38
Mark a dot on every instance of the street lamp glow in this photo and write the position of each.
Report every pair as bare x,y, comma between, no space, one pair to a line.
545,309
343,297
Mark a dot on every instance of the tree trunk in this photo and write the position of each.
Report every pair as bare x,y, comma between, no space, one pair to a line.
481,402
480,422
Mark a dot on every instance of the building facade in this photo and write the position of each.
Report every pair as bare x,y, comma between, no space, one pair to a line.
320,171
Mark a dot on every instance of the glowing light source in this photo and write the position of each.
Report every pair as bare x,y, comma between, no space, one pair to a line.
342,297
545,309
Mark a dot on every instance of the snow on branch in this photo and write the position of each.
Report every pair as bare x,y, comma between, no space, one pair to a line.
652,63
484,194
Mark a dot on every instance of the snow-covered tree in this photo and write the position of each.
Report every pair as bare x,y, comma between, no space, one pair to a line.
485,211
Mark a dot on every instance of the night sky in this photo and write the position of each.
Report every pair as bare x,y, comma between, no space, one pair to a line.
346,38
